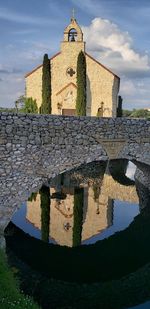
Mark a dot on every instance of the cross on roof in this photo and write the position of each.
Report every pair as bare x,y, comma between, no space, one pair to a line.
73,13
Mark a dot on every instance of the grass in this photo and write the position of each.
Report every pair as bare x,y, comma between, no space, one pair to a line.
51,294
10,296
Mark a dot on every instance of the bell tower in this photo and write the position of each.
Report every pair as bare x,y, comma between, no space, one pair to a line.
73,32
73,36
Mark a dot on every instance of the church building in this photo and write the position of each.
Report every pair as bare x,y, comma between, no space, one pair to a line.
102,85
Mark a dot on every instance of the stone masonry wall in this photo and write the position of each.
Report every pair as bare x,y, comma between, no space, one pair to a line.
102,86
34,86
34,148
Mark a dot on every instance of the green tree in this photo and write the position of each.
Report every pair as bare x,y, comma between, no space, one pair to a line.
30,106
126,113
140,113
81,85
137,113
78,216
46,86
8,110
119,108
19,103
45,212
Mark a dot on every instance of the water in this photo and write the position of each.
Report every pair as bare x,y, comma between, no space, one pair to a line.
110,211
95,236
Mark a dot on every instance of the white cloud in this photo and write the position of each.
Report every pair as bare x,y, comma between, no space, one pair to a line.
114,48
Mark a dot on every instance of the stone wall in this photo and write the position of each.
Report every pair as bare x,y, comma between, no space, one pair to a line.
34,86
102,86
34,148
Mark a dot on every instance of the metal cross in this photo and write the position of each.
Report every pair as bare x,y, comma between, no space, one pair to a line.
73,13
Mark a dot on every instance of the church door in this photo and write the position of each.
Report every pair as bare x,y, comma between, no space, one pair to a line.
68,112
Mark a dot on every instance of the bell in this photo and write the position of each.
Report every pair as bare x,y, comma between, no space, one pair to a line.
72,37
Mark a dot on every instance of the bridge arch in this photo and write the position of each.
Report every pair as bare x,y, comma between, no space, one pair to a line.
34,148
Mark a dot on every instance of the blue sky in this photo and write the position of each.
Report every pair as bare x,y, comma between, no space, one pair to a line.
117,33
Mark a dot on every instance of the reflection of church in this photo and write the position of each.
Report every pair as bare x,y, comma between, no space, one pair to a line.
102,85
97,215
97,200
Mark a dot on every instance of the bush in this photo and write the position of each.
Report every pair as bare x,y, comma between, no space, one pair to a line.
10,297
30,106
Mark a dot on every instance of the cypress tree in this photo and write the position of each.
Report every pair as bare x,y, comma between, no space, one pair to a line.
119,108
81,85
45,212
46,86
78,216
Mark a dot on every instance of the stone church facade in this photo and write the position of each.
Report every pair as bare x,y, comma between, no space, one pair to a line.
102,85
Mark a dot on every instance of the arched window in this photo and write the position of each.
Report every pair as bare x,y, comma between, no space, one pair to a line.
72,36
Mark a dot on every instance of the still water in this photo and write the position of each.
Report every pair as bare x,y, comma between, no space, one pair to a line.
108,207
89,233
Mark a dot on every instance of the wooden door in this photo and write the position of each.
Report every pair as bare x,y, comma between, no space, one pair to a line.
68,112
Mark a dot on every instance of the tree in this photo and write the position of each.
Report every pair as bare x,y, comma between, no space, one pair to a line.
45,212
126,113
30,106
19,103
46,87
140,113
119,108
137,113
78,216
81,85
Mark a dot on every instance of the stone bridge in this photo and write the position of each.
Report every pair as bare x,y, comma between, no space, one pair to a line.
34,148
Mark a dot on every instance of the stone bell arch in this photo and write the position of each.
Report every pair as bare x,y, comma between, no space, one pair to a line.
73,32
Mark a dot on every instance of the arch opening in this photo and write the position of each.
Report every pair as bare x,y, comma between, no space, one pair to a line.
72,35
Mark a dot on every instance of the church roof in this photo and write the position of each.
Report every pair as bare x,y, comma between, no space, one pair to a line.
28,74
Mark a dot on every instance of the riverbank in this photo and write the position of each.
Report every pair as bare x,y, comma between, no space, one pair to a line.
10,296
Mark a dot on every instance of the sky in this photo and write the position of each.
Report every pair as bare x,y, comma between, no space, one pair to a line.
117,33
